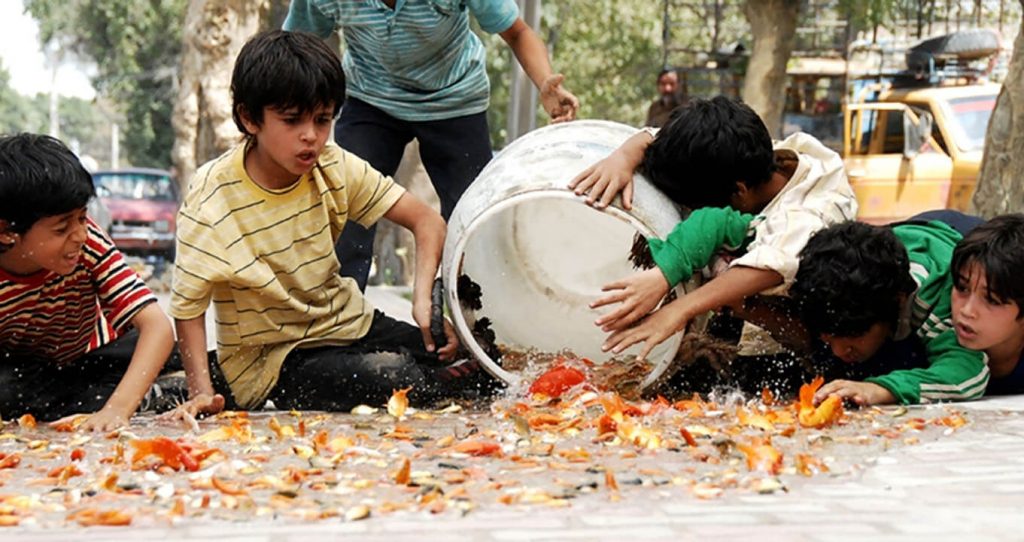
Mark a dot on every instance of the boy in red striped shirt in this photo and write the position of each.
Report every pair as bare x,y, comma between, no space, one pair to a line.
79,330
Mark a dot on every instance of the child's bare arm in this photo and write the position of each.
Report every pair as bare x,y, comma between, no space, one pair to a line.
192,347
729,288
151,351
602,181
428,229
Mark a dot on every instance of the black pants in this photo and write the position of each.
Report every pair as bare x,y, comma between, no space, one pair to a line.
336,378
453,151
50,391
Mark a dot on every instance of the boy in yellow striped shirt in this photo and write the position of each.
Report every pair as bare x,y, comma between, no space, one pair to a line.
256,237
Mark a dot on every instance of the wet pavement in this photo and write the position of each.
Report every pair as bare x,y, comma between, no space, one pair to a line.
523,470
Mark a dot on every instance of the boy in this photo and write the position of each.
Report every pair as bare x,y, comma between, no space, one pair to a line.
716,156
987,299
67,299
860,287
256,237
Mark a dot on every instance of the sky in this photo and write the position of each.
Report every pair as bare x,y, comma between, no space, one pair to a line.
23,57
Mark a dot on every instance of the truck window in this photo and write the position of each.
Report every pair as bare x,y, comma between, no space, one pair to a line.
864,121
972,115
893,143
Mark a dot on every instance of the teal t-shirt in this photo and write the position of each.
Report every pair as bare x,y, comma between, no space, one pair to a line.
417,62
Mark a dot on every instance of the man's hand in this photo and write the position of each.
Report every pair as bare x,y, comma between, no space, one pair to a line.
105,420
203,404
560,104
604,180
652,331
638,294
862,393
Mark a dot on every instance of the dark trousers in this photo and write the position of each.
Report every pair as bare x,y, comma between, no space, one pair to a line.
960,222
336,378
50,391
453,152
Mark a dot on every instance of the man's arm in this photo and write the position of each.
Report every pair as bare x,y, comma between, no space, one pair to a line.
428,229
532,54
151,351
604,180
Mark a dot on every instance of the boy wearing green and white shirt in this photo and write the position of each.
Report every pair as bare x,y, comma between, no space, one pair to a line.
860,286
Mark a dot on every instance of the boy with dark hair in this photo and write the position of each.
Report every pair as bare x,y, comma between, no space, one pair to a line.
860,287
987,298
716,156
256,237
68,301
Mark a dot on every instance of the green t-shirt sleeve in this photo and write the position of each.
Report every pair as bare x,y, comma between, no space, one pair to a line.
693,242
954,373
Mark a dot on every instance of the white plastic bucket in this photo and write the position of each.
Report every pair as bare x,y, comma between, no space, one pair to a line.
540,254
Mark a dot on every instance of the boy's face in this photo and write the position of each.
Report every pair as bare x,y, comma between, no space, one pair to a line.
982,321
53,243
860,348
288,144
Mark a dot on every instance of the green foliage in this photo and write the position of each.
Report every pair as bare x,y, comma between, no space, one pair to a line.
136,45
609,51
81,126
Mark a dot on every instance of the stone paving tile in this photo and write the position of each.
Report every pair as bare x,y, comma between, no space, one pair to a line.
631,533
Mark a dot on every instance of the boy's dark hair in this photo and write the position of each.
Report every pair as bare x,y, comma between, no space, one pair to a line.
998,247
39,177
665,71
850,277
285,70
705,148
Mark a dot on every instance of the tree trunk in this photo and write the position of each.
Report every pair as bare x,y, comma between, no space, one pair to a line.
214,33
1001,180
773,28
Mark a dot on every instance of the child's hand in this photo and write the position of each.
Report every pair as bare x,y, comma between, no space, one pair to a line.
862,393
102,421
638,294
652,331
602,181
560,104
202,404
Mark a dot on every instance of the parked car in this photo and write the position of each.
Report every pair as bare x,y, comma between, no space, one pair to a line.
142,203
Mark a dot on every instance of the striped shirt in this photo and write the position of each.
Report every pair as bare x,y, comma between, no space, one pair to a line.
266,260
417,62
56,317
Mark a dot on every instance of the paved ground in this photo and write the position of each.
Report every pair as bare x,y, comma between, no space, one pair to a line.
966,483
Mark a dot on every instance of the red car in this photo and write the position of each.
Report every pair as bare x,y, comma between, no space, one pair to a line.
143,204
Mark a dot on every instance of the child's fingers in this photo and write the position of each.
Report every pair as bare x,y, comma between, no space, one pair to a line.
616,314
616,297
582,181
428,341
627,197
612,188
597,188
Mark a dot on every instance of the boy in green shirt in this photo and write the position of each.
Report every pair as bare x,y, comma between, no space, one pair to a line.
859,287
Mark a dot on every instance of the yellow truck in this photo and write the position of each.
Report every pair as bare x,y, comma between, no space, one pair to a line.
915,149
914,122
